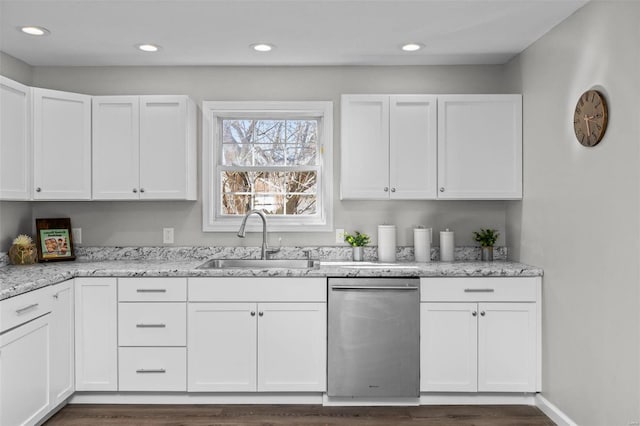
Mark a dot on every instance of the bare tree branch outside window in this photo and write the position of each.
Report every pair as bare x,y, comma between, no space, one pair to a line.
270,165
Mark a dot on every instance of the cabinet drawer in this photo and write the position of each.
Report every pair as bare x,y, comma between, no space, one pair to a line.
153,369
152,289
152,324
481,289
25,307
242,289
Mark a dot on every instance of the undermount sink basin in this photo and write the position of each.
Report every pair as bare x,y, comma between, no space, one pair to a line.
259,264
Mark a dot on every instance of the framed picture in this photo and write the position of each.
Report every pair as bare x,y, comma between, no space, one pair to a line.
54,240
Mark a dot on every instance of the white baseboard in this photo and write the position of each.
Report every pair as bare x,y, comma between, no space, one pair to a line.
553,412
477,399
194,398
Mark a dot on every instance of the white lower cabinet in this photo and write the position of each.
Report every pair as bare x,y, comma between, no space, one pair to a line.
25,371
242,345
486,346
152,369
96,329
62,342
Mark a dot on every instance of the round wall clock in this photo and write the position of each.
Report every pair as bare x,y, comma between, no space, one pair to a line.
590,118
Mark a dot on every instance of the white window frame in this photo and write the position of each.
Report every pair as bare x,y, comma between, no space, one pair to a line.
214,111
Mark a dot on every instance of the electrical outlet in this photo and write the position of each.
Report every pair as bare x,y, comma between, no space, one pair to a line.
167,235
76,234
339,236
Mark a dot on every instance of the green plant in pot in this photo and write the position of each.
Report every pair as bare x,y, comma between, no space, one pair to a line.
357,241
487,239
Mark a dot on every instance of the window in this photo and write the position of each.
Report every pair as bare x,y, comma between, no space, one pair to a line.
270,156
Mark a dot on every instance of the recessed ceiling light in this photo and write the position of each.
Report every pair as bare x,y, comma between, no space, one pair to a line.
262,47
146,47
35,31
412,47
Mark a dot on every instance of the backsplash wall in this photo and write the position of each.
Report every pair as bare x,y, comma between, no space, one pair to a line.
140,223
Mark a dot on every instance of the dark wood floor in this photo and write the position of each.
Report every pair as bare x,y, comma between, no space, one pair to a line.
306,415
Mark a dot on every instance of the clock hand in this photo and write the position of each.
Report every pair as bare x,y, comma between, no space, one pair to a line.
586,120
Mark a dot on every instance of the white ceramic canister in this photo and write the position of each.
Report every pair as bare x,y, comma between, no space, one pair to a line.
422,239
387,243
447,245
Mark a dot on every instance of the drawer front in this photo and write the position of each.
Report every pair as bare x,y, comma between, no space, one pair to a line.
152,324
152,289
480,289
25,307
153,369
249,289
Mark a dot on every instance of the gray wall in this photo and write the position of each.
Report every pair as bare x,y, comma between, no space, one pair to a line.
580,216
15,217
141,223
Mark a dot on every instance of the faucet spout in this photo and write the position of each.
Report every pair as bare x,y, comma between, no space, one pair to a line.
241,231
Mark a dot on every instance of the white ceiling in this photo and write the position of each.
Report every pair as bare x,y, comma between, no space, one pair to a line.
306,32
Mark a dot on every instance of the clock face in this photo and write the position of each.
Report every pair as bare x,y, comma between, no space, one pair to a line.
590,118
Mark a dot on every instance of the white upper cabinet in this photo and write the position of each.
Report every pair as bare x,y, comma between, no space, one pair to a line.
388,146
116,153
144,148
15,140
62,145
480,147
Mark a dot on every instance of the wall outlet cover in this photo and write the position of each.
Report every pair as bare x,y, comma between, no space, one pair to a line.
167,235
339,236
76,234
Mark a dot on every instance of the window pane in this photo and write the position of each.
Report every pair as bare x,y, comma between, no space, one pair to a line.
268,155
301,205
235,182
302,132
302,182
270,132
272,204
301,155
268,182
233,204
238,131
237,155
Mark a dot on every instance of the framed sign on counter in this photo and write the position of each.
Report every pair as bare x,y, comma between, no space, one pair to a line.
54,239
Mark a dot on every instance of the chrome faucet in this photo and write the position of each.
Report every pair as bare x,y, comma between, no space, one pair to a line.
241,232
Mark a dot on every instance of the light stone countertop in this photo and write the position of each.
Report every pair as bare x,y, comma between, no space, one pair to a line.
15,280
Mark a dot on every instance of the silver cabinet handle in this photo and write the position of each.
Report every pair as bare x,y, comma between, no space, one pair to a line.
261,313
141,189
38,189
441,189
474,313
151,290
393,190
482,313
253,313
478,290
156,370
386,189
151,325
26,308
371,287
135,191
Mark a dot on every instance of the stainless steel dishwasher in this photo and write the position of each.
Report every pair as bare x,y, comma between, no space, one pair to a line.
374,337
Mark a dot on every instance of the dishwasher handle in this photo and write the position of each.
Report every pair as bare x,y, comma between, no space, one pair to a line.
373,287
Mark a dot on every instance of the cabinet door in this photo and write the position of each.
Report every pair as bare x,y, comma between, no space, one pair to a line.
448,347
364,144
480,147
62,342
96,323
62,145
292,347
507,347
413,147
25,370
221,348
15,140
116,156
167,148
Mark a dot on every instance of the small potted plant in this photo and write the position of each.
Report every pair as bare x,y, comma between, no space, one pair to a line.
23,251
487,238
357,241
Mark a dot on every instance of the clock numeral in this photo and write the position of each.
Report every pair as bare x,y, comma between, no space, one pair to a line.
597,105
581,102
578,111
593,97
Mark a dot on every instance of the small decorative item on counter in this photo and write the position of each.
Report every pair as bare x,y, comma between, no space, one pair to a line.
422,239
487,239
357,241
23,251
387,243
447,245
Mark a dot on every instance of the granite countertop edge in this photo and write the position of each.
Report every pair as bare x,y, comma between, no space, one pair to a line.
16,280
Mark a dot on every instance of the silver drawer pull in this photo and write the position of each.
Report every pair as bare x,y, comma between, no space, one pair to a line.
478,290
371,287
151,290
157,370
26,308
151,325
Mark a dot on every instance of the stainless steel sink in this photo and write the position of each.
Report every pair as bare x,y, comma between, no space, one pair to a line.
260,264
